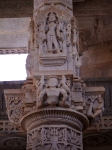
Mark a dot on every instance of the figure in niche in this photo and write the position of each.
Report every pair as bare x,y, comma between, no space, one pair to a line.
75,42
42,38
95,107
53,95
51,28
68,35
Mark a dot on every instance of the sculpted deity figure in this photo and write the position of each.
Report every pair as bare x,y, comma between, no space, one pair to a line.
75,38
52,95
42,38
68,34
51,27
75,42
95,107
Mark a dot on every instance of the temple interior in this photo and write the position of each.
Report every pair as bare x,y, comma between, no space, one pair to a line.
94,18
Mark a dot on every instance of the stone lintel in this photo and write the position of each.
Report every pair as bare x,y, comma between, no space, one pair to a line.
14,50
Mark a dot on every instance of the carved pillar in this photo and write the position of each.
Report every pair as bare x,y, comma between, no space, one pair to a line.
53,99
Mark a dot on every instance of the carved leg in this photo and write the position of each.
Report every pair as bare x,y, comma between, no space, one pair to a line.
97,113
89,112
54,137
56,44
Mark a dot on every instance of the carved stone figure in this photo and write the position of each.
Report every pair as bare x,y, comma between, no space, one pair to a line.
68,42
42,38
40,85
95,106
75,36
53,105
52,95
75,42
51,27
31,39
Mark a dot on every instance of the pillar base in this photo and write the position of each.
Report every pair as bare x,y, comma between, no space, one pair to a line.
54,129
54,137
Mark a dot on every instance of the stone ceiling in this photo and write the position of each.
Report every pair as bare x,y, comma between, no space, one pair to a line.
18,8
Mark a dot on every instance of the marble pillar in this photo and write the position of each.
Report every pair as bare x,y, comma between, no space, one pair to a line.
54,106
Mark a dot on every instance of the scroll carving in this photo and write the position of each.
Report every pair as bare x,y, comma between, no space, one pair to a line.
14,104
55,137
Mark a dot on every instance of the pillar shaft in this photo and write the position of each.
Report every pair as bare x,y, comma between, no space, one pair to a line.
53,103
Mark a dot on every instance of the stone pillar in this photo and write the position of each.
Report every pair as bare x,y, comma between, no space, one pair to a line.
52,106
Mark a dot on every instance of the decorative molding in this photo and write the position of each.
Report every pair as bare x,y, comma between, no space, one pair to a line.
96,140
93,7
16,8
19,8
54,137
18,50
15,143
14,103
6,126
104,123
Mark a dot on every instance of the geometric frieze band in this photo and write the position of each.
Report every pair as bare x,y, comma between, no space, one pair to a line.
6,126
103,124
18,50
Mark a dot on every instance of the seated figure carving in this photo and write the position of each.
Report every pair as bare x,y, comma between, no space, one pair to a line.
53,95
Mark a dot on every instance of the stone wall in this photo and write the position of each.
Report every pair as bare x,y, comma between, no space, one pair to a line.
14,35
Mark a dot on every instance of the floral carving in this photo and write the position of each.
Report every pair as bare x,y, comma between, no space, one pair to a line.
14,104
55,137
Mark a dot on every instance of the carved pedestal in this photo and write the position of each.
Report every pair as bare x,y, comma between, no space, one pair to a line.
54,137
54,129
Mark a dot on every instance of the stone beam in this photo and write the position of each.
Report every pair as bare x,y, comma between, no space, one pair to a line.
18,8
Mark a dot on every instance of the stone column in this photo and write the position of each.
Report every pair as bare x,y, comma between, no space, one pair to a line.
52,106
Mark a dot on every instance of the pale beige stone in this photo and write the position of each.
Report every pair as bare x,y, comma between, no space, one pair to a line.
54,99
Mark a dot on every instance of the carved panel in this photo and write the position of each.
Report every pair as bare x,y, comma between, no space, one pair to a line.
93,7
19,8
7,85
104,123
96,140
58,137
6,126
107,84
21,50
40,3
16,8
14,104
15,143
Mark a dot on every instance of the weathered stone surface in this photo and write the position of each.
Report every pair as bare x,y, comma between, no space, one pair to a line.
54,99
14,35
96,62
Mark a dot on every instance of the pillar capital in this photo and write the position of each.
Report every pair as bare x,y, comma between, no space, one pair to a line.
38,4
